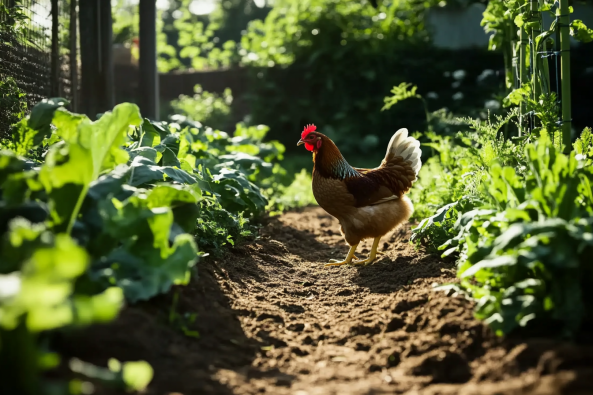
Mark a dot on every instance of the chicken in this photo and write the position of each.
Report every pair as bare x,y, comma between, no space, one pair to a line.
368,203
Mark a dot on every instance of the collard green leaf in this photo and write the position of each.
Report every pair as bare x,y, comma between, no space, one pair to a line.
147,152
150,136
237,193
109,184
70,167
145,263
146,171
169,157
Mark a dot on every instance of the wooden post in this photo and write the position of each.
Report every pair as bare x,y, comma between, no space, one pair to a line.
535,31
96,57
566,119
55,50
89,57
73,56
106,55
148,88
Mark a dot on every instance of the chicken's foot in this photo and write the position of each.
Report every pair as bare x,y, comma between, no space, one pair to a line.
372,255
348,260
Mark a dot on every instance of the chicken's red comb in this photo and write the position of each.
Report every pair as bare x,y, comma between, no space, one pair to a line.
308,129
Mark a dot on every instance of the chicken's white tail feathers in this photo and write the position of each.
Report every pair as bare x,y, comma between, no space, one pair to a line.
405,146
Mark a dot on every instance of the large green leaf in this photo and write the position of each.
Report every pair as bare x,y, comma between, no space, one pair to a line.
145,264
45,284
150,136
145,171
73,165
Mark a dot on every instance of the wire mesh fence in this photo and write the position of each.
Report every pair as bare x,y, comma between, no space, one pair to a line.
31,38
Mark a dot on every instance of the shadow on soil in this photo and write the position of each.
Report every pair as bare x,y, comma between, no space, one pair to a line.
272,319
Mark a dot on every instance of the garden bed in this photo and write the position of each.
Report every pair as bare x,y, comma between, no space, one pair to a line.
272,319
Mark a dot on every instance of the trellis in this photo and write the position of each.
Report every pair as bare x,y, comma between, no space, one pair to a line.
63,48
32,53
531,54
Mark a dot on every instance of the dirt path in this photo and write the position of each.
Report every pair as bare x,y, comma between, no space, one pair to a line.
273,320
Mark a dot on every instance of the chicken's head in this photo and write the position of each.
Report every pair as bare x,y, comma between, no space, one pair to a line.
310,138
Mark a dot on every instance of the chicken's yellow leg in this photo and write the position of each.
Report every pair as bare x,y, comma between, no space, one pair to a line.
335,262
372,255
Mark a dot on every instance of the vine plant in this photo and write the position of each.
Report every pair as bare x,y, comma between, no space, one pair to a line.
527,52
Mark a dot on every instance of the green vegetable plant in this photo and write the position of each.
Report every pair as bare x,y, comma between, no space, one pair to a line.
530,49
12,105
517,215
516,211
95,213
524,255
209,108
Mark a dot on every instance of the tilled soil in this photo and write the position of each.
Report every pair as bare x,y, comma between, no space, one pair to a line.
272,319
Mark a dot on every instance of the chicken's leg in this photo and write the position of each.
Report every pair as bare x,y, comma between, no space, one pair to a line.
335,262
372,255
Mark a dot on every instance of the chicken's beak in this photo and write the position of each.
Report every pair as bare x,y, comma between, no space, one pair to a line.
301,142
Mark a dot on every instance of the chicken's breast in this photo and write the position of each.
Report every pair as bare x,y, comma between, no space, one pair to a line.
375,221
358,223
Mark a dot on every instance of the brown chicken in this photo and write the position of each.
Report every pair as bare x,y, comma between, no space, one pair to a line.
368,202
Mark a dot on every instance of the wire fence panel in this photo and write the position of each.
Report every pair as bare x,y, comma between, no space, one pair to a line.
26,51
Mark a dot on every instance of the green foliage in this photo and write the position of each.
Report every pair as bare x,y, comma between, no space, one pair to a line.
516,212
12,105
457,173
523,231
128,376
14,20
583,146
520,224
580,31
95,212
189,41
296,195
328,46
400,93
328,62
205,107
528,62
528,258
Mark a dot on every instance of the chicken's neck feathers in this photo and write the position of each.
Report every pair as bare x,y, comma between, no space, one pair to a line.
329,162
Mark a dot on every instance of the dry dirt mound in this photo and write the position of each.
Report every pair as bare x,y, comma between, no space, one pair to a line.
272,319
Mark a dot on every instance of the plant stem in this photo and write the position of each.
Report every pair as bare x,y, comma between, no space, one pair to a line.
535,31
76,210
564,21
545,69
508,58
522,74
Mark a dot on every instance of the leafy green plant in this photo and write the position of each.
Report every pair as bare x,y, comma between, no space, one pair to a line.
12,105
517,214
534,92
401,92
583,146
328,62
296,195
526,258
205,107
95,212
